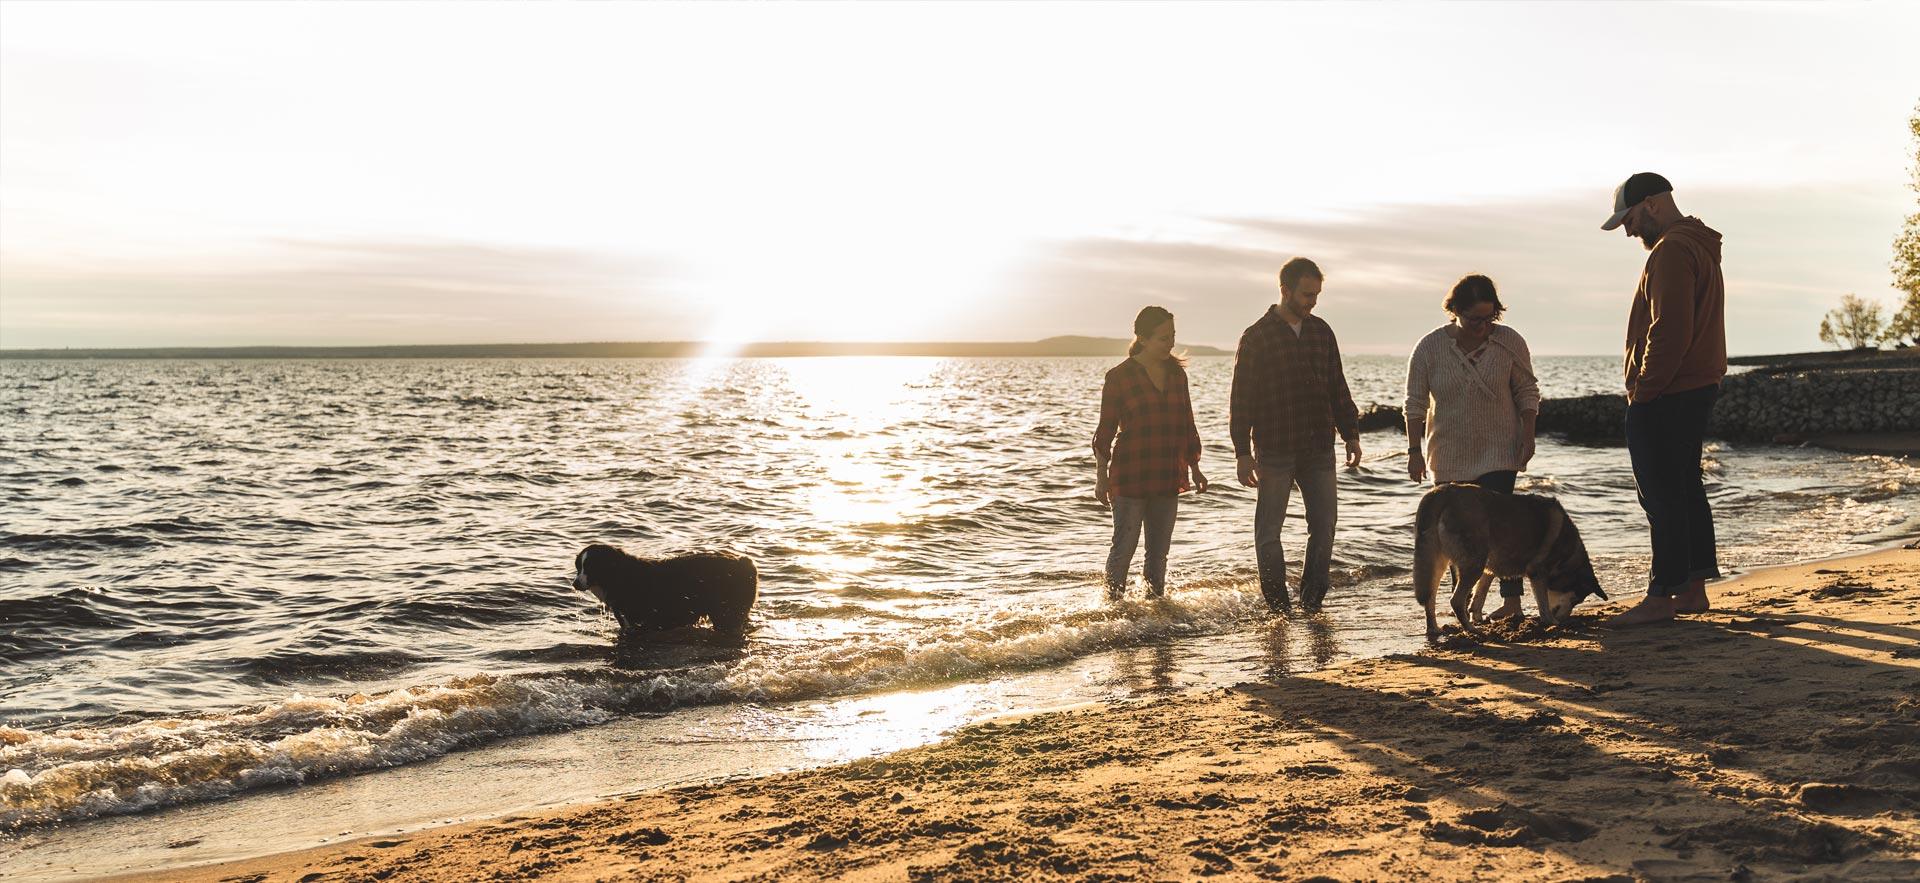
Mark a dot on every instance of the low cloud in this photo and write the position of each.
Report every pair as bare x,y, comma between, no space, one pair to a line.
1790,254
311,292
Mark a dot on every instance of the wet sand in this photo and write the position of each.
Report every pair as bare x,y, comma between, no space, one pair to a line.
1778,736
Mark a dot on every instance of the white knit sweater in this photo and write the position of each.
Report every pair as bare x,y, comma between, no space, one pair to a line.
1472,410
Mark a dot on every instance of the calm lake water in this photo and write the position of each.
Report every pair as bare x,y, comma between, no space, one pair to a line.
222,575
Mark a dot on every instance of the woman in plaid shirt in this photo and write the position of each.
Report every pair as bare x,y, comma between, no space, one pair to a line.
1156,454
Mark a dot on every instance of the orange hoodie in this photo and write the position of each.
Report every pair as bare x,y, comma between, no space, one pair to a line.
1676,333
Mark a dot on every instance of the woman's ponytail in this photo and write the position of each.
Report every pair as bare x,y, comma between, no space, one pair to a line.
1149,321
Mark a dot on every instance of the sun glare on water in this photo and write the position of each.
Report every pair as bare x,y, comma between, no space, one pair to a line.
862,410
875,725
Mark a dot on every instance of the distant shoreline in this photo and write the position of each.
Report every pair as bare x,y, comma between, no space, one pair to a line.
1050,347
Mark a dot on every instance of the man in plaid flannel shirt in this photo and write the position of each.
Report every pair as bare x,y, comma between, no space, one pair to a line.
1289,394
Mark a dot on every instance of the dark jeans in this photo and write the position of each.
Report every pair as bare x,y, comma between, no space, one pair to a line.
1663,439
1501,482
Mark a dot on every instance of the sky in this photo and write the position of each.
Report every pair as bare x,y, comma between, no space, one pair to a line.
213,174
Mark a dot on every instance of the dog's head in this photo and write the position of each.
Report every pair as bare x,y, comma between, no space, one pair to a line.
590,568
1567,572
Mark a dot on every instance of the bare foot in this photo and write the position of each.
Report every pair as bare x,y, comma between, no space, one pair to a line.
1509,609
1692,599
1652,608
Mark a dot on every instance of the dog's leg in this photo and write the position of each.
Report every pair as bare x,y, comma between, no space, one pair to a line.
1540,601
1465,574
1480,597
1428,564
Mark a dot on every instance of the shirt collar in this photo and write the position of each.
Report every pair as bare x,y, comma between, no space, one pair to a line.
1273,316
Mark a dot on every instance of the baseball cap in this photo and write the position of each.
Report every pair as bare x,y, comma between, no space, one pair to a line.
1631,192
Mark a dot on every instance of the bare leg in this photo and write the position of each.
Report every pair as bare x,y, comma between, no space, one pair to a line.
1693,598
1652,608
1509,608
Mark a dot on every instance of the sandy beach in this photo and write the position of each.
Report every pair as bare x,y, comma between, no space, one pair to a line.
1777,737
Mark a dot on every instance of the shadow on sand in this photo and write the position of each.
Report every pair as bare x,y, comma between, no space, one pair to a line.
1789,743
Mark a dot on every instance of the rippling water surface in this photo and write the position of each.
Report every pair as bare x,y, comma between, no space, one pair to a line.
216,576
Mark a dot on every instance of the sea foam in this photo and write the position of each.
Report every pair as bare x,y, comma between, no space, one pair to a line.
79,773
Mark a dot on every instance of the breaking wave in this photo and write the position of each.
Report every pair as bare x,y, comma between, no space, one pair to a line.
79,773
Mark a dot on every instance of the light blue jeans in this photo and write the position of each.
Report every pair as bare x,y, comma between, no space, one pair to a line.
1129,514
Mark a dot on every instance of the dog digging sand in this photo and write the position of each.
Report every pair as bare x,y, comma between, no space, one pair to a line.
1470,531
1778,737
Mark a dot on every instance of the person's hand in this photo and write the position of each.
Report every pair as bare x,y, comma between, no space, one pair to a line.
1416,466
1103,491
1353,453
1249,473
1526,452
1199,481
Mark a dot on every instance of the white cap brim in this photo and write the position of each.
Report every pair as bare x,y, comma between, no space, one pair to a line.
1617,219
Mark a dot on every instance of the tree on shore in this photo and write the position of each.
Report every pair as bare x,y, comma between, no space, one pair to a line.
1905,327
1855,324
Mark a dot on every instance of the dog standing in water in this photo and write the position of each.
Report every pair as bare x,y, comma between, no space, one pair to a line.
1471,530
666,593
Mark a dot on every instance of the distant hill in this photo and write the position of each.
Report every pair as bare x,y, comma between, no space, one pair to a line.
1052,346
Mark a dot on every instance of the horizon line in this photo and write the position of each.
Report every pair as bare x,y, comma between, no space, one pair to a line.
1058,346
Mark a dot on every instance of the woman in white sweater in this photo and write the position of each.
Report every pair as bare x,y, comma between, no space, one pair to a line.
1472,399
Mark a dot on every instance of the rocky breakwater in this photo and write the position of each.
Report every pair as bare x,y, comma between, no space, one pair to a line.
1791,405
1787,404
1596,418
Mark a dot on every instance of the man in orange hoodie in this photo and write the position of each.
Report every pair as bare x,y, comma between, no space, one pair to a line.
1676,355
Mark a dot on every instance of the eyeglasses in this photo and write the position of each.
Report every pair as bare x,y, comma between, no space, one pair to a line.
1476,320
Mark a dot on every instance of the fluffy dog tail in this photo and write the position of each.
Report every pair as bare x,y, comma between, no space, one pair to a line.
1428,562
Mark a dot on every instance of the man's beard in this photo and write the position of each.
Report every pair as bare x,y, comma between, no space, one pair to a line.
1647,239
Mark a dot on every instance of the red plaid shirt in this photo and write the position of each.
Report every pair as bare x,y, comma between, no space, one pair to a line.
1289,391
1157,440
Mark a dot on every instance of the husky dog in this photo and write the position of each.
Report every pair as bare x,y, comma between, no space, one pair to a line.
1474,530
665,593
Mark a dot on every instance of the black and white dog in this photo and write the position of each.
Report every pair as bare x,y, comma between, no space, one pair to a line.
665,593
